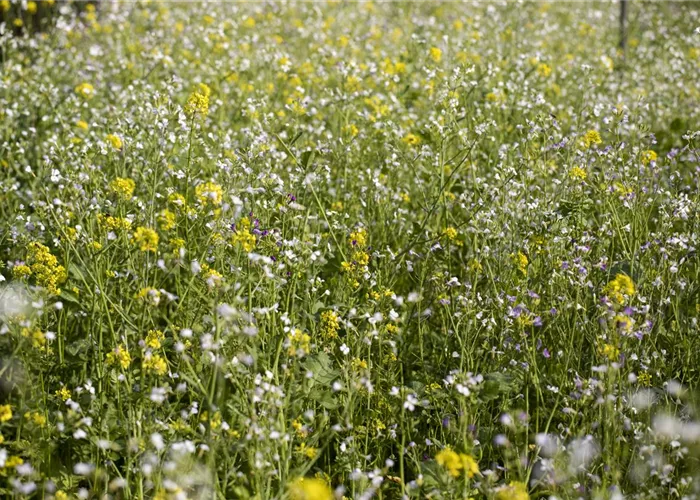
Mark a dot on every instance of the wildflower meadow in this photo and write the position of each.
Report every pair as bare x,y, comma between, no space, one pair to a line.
349,250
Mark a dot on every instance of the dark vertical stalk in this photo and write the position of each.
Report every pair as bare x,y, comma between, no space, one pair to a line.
623,24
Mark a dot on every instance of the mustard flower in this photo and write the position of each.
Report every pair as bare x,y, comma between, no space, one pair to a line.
146,239
85,90
310,489
123,187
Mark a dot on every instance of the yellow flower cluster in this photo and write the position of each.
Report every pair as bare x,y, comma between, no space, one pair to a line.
577,173
198,102
115,141
209,193
609,351
119,356
329,325
451,234
514,491
85,90
154,339
411,139
112,223
5,413
243,236
544,70
435,54
36,418
146,239
456,463
299,343
521,261
155,364
166,220
123,187
360,259
45,269
37,336
149,295
620,288
64,393
648,156
21,271
13,461
306,488
591,138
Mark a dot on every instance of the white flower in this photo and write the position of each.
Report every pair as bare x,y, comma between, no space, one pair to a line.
410,403
83,469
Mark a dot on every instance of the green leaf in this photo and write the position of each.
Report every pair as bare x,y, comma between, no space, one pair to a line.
322,368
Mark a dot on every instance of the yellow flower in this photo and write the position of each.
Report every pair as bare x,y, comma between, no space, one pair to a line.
358,237
648,156
113,223
154,339
146,239
620,288
623,323
544,70
120,355
307,451
209,193
64,393
149,295
514,491
450,233
166,220
592,138
37,336
5,413
329,325
178,200
31,7
306,488
36,418
13,462
644,379
609,351
520,260
299,343
123,187
411,139
243,236
45,268
435,54
21,271
115,141
450,460
156,364
471,468
198,102
85,90
577,173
